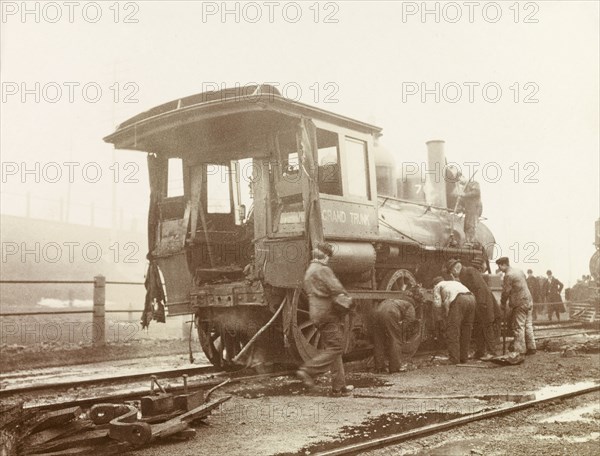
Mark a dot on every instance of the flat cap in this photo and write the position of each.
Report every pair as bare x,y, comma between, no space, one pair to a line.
502,260
326,248
451,263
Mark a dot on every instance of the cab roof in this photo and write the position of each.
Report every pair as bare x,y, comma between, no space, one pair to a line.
258,105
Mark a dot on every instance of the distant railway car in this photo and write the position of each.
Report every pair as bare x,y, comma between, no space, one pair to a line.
244,182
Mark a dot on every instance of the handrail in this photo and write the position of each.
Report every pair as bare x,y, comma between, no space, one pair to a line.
430,206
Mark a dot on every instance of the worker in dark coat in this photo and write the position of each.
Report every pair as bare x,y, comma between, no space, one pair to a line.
516,291
485,329
458,305
391,325
551,290
328,304
534,288
471,206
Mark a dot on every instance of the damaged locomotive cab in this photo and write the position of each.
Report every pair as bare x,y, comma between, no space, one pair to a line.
243,183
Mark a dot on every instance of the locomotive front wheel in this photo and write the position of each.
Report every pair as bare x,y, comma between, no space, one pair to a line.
218,343
303,336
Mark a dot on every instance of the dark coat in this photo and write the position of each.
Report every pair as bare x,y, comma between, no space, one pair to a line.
534,288
472,279
391,326
551,290
322,286
471,199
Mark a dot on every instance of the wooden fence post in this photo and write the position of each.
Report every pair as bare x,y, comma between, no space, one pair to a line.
98,321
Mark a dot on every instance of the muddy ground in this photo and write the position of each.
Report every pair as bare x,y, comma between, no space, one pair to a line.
279,416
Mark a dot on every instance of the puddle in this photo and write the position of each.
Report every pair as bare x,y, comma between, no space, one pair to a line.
548,391
376,427
571,439
576,414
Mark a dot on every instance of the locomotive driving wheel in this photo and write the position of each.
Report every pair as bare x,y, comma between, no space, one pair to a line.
219,344
303,336
397,280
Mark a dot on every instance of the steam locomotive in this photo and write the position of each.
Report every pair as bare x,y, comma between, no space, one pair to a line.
245,181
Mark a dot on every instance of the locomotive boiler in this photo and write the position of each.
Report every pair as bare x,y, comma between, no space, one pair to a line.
244,182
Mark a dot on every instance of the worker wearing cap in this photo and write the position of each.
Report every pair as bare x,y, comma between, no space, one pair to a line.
515,290
471,206
485,326
328,304
458,304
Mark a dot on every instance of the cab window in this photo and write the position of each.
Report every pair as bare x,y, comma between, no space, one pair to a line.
175,177
330,181
357,168
218,190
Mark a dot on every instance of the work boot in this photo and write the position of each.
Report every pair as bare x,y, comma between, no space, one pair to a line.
306,379
344,391
531,351
487,357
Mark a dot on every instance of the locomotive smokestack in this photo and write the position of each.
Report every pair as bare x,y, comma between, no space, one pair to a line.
435,182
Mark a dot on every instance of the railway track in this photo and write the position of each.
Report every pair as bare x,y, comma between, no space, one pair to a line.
212,379
117,379
372,444
113,379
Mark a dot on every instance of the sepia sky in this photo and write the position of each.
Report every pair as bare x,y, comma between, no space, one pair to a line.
540,131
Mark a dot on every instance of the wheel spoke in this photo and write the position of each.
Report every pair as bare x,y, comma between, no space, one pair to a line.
306,324
311,333
317,339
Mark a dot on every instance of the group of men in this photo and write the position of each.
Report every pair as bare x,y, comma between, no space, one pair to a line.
467,301
548,293
462,295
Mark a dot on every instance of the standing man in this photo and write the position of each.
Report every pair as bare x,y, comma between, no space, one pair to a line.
472,207
485,328
328,304
551,291
514,288
534,289
458,306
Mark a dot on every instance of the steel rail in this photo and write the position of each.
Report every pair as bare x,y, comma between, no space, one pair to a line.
66,312
68,282
568,334
438,427
109,379
132,395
